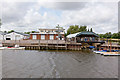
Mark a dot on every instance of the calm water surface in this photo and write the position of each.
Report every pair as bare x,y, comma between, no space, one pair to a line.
57,64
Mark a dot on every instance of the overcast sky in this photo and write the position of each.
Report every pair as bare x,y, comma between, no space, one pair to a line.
28,16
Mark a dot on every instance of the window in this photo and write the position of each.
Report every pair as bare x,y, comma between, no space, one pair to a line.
34,36
42,36
8,38
51,37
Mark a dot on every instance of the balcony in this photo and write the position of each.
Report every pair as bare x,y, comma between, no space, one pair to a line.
89,41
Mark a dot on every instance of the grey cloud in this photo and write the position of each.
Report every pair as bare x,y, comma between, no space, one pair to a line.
26,17
14,12
70,5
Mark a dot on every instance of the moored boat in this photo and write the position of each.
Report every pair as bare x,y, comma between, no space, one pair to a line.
108,53
12,48
98,52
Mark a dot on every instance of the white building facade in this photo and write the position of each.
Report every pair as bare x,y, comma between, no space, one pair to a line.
16,36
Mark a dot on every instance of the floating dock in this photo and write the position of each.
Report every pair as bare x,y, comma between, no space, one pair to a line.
108,53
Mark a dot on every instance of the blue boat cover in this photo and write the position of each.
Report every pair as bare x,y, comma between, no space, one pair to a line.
91,46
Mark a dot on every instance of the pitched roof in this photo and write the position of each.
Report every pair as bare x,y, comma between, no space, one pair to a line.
20,33
87,33
72,35
82,33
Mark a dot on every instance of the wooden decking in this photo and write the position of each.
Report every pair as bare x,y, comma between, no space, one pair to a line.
48,44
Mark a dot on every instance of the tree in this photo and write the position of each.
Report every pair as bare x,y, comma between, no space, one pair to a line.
75,28
27,32
70,30
33,31
91,30
108,35
115,35
88,30
5,31
101,35
82,28
11,31
119,35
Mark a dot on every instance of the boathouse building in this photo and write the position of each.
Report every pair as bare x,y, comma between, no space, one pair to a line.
48,34
83,37
16,36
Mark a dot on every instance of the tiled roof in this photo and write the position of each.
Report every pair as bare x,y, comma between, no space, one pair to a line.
87,33
22,34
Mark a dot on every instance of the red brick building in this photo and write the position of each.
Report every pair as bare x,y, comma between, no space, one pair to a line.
48,34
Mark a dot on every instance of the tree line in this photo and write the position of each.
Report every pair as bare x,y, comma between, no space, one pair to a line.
110,35
14,31
76,28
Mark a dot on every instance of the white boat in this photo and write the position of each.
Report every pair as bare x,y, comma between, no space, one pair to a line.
110,53
98,52
12,48
1,48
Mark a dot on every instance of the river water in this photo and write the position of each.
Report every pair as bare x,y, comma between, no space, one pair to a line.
57,64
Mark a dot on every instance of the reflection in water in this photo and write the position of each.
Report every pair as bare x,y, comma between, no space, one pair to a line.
57,64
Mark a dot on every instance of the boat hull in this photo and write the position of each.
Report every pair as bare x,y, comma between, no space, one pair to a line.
12,48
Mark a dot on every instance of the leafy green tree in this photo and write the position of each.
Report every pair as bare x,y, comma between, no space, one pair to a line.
115,35
119,35
5,31
91,30
101,35
33,31
82,28
75,28
70,30
10,31
88,30
27,32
